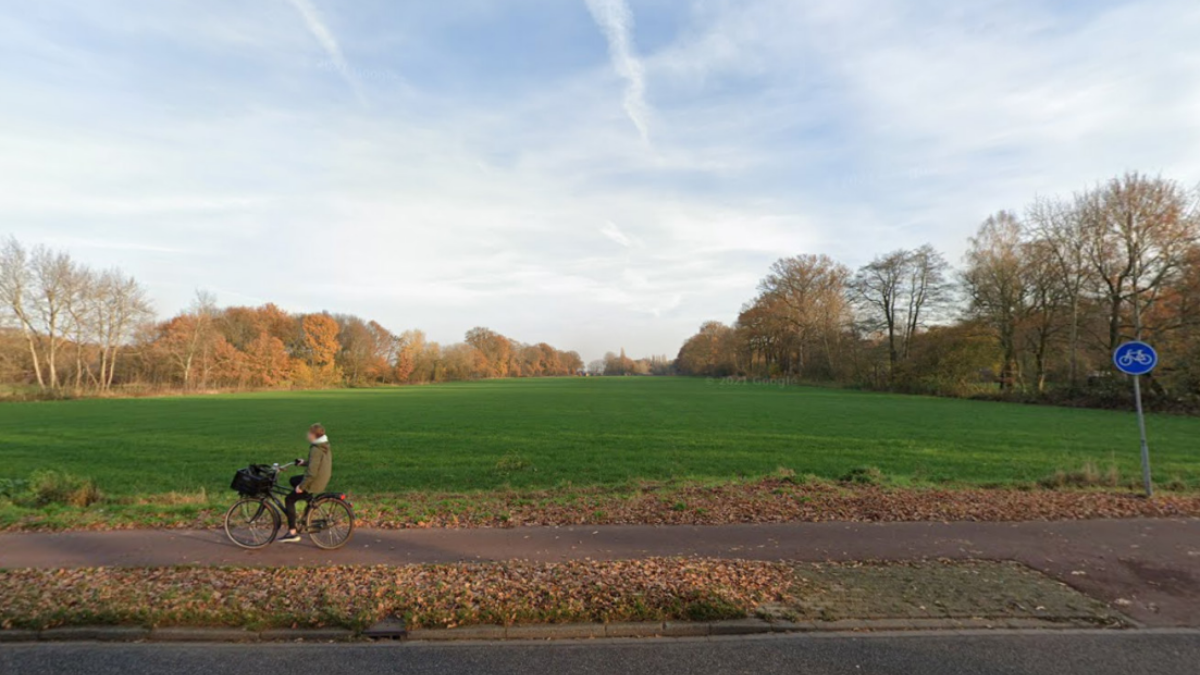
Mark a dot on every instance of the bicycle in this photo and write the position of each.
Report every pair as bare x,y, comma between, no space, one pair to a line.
254,520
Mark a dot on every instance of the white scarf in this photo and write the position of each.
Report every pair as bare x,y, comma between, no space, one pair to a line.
321,441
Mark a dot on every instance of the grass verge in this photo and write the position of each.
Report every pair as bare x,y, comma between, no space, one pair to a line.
861,497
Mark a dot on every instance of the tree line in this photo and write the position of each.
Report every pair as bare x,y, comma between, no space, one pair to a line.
66,329
614,364
1041,299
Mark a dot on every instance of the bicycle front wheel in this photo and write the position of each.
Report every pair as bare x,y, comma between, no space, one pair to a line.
330,523
252,523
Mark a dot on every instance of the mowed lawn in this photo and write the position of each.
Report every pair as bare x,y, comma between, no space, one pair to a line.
582,432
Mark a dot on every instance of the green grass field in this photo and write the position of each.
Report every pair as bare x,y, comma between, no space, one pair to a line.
582,432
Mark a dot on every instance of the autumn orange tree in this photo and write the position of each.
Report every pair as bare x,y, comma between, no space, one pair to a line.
63,325
317,366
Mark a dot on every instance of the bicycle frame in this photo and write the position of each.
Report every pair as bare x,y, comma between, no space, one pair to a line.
273,497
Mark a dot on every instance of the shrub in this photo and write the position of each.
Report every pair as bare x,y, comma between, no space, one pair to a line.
1175,484
54,487
712,608
1089,475
863,475
12,489
512,462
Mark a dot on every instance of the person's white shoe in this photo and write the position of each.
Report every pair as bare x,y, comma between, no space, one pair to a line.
290,539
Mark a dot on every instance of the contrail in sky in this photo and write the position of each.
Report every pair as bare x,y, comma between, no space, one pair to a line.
317,27
616,22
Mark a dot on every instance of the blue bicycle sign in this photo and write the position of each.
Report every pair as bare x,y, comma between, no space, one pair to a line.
1135,358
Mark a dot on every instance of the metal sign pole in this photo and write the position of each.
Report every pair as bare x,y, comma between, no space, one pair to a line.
1137,395
1137,358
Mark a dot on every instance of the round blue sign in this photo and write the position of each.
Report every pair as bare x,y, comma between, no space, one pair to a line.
1135,358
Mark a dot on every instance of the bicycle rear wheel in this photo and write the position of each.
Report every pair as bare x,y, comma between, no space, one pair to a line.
252,523
330,523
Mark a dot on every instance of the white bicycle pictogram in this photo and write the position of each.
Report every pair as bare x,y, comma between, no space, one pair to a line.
1138,356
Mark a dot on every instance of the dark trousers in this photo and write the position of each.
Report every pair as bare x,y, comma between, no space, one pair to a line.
289,501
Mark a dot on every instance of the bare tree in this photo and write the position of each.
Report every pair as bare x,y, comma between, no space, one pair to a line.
930,289
53,275
1047,296
121,307
877,289
81,303
898,291
37,287
994,279
1057,227
16,282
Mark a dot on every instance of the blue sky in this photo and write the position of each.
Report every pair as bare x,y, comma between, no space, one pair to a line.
595,174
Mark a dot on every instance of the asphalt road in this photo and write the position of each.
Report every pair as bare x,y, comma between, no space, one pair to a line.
1164,652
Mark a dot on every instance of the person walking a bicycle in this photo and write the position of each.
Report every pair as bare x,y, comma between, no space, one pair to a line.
318,468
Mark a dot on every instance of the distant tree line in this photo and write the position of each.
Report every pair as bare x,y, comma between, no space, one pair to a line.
66,329
620,364
1040,302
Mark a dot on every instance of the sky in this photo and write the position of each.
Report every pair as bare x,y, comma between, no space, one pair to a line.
595,174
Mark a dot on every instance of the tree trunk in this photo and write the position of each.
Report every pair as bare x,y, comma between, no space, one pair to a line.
112,369
1039,360
33,353
1074,338
78,365
51,358
893,355
1114,322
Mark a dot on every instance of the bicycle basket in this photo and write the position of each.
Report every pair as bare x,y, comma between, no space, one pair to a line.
255,479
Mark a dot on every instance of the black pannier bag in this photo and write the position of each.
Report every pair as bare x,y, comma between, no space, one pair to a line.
255,479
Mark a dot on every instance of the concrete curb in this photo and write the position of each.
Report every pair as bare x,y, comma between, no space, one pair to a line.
307,635
735,627
174,634
95,634
202,635
565,631
18,636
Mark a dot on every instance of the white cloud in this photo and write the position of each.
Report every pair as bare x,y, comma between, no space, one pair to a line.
614,233
847,129
616,22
